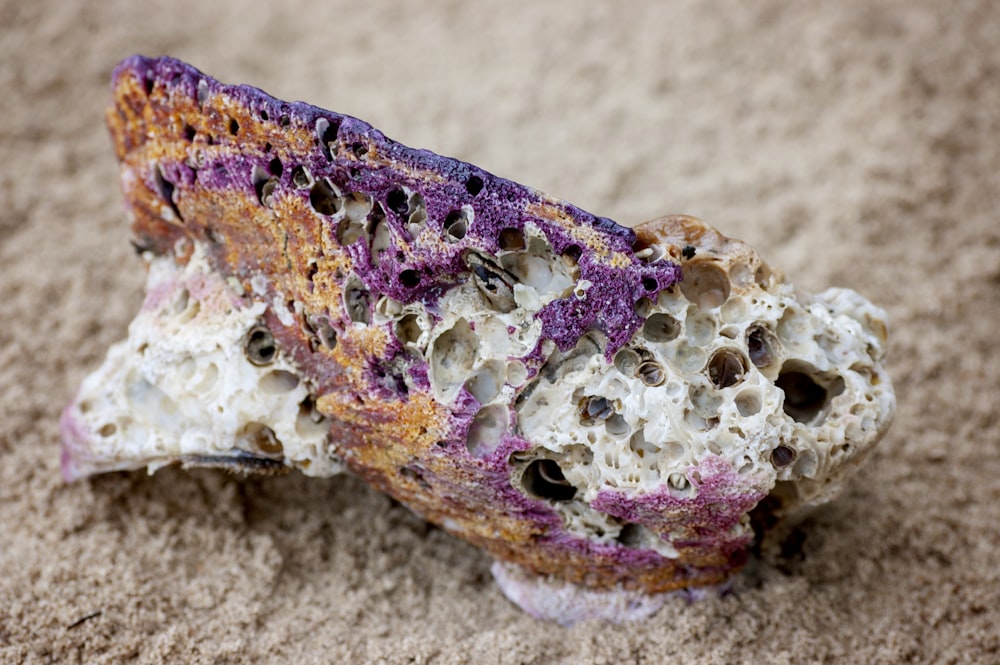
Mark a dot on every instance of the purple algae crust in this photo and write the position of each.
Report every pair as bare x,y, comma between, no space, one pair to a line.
366,161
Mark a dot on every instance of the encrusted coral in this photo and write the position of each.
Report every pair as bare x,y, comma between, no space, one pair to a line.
600,408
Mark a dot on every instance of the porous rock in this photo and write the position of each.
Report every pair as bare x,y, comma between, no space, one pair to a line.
599,408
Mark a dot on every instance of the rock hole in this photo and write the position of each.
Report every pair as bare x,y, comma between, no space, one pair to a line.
642,307
661,328
806,464
674,451
107,430
705,285
807,391
748,403
650,283
329,134
474,185
762,346
633,536
357,207
616,425
627,362
539,268
544,479
389,308
699,327
323,331
763,276
782,456
275,167
729,332
147,83
262,439
415,474
639,446
494,283
381,240
487,430
485,384
573,253
398,201
409,278
689,358
418,215
234,127
309,421
596,408
302,179
651,373
264,185
511,240
278,382
326,132
646,252
408,329
375,217
189,132
678,481
259,346
517,373
357,301
166,190
266,193
324,198
705,402
456,225
451,358
726,368
735,311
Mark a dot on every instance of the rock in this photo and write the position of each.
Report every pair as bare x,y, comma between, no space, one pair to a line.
599,408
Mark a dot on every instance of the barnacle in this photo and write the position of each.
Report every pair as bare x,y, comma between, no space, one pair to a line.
599,408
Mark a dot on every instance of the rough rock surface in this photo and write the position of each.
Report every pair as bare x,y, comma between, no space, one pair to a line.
852,144
599,407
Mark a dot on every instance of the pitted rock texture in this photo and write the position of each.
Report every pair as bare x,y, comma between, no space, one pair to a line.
593,405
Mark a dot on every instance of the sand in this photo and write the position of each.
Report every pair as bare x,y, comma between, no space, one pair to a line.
853,145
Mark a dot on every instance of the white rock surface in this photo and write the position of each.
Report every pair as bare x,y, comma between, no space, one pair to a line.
182,386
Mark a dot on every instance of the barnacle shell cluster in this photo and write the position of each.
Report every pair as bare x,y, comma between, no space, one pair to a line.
599,408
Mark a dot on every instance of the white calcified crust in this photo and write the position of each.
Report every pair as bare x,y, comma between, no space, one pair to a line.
181,386
789,388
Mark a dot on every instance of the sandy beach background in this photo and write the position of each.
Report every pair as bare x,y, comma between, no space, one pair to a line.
853,144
